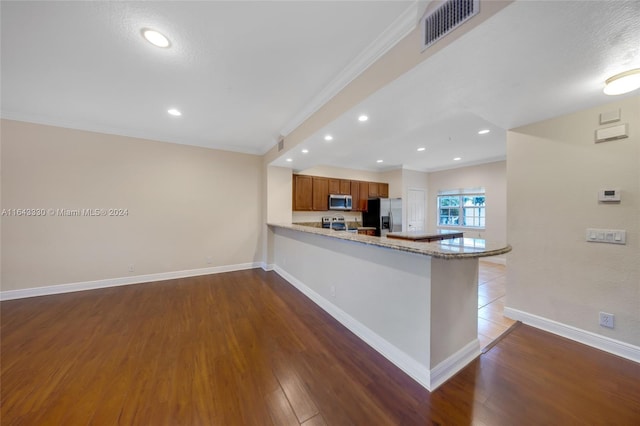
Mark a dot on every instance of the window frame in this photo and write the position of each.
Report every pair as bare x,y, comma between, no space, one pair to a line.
460,195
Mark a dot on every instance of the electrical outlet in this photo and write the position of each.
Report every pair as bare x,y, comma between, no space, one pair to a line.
607,320
333,291
132,268
209,260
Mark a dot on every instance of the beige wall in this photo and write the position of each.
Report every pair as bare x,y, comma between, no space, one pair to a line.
184,204
492,177
555,171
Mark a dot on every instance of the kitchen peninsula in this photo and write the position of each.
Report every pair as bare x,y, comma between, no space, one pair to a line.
414,302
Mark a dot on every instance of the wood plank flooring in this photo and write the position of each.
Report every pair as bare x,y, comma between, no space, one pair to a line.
246,348
492,323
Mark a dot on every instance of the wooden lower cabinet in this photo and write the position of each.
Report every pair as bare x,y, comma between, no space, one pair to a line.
371,232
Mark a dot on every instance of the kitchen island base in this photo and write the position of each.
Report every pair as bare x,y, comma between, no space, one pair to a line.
418,311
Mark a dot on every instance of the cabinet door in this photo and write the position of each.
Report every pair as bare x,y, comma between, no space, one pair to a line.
320,194
355,195
302,192
334,186
345,187
364,196
373,189
383,190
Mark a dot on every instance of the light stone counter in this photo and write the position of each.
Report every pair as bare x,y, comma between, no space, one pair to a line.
457,248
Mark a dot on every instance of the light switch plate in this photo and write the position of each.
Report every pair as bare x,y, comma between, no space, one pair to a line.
608,236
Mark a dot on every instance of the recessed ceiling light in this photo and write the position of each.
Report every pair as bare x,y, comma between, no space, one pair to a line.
328,138
624,82
289,160
484,131
174,112
457,159
421,149
305,151
155,38
379,161
363,118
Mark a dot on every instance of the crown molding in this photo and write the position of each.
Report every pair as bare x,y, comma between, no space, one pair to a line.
395,32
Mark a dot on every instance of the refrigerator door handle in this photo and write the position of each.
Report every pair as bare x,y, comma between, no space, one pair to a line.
390,221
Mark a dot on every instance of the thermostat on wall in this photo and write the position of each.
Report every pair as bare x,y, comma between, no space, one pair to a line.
609,195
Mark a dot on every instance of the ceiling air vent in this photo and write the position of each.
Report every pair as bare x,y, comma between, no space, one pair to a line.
280,144
446,18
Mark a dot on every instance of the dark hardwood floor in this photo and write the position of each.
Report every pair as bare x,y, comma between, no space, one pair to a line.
246,348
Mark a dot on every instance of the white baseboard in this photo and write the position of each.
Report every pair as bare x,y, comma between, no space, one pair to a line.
429,379
456,362
588,338
267,266
114,282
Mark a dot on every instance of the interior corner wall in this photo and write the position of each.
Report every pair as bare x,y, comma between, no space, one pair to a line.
555,170
490,176
181,205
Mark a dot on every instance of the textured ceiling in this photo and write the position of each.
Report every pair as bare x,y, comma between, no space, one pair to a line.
531,61
245,72
239,71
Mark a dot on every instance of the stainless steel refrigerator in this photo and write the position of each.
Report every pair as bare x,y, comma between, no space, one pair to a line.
385,214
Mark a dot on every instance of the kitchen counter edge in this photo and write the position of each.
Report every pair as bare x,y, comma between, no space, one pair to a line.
433,249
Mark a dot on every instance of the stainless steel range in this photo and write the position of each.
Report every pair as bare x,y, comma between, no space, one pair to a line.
335,222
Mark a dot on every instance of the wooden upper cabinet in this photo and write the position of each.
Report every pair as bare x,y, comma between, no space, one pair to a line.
320,193
312,192
355,195
383,190
339,186
378,189
302,192
345,187
373,189
334,186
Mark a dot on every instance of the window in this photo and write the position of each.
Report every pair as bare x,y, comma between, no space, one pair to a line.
462,208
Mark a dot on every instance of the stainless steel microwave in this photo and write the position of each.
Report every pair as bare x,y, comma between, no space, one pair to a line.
339,202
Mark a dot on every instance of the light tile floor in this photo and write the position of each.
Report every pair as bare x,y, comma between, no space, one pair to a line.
491,294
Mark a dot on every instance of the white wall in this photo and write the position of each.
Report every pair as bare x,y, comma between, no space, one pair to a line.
492,177
184,204
555,171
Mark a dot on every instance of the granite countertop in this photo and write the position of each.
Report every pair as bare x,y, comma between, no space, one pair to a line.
456,248
422,235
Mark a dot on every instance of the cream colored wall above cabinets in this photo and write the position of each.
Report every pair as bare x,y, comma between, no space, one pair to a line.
187,208
555,170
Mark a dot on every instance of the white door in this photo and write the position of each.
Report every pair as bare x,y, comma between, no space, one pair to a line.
416,206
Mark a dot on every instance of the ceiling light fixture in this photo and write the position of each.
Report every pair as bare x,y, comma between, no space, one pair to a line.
363,118
289,160
379,161
174,112
624,82
328,138
155,38
457,159
421,149
305,151
483,131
